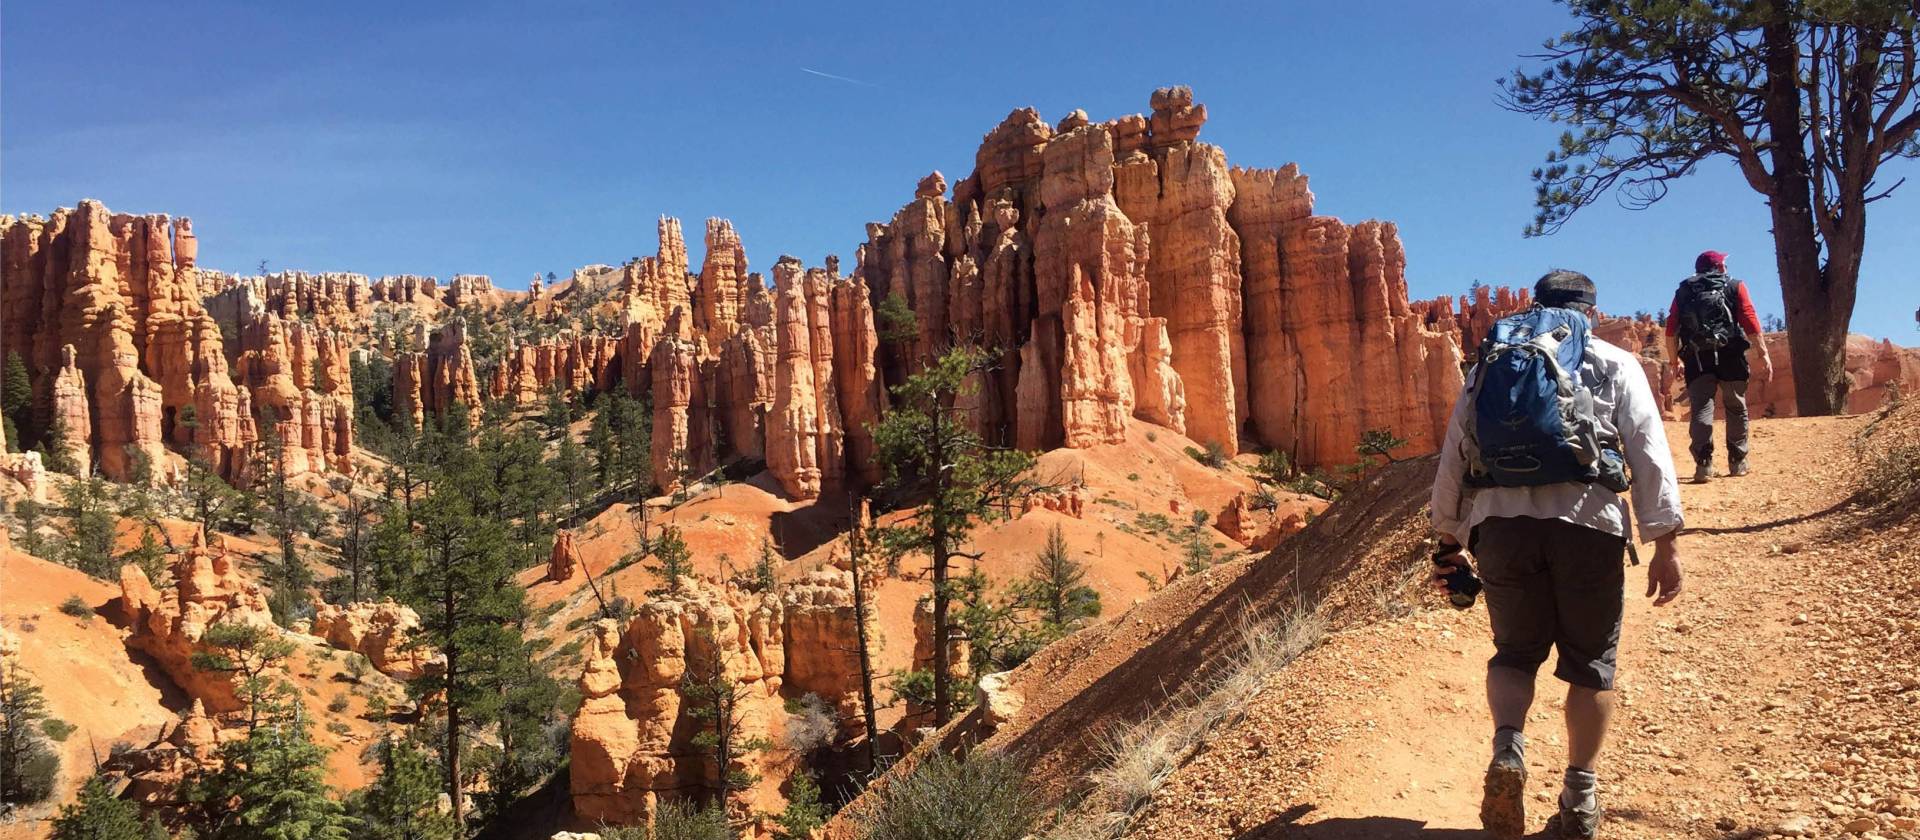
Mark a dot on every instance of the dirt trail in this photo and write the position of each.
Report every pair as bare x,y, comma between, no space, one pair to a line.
1735,706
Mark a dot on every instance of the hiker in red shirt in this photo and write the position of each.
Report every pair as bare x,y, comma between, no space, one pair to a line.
1710,328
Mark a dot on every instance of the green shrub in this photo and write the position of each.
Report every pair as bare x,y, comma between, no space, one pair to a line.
77,607
357,666
57,729
338,704
1153,523
981,798
1892,475
1275,467
675,819
1214,455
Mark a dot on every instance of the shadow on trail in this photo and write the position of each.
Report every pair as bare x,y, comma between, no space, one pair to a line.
1777,523
1286,826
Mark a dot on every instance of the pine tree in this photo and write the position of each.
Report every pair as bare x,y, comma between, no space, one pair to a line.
252,653
559,413
356,531
27,766
718,701
673,561
570,465
391,549
99,815
90,526
16,400
462,587
288,513
620,439
53,449
517,487
932,456
32,515
272,786
402,803
523,754
1057,587
804,813
149,555
764,568
210,500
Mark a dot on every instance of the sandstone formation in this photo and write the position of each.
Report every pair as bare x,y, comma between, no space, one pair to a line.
634,737
1338,348
959,655
1182,190
820,634
793,422
1116,272
301,385
378,631
565,559
439,377
169,625
682,427
156,773
337,301
1875,370
108,319
131,359
1126,272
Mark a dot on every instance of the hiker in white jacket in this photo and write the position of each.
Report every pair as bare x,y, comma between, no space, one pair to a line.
1551,558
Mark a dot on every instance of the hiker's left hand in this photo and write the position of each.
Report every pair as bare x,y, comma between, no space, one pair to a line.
1663,574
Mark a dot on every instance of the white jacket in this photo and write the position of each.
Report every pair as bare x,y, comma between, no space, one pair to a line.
1626,410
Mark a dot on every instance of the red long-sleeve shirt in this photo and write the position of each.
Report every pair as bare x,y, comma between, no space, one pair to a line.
1743,313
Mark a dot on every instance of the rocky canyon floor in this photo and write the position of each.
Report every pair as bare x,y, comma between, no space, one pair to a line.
1779,696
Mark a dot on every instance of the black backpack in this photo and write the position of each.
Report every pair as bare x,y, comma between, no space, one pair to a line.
1705,313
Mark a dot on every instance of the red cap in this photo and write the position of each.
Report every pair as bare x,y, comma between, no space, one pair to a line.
1710,261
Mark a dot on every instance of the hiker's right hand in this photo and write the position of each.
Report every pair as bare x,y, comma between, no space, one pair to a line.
1446,564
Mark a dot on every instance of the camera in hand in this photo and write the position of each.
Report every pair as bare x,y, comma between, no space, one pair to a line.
1463,586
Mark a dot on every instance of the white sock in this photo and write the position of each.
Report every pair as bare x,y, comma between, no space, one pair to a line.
1579,788
1506,738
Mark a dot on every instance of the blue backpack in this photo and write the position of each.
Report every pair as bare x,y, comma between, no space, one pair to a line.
1531,417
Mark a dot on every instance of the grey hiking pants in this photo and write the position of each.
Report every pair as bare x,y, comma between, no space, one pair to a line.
1732,393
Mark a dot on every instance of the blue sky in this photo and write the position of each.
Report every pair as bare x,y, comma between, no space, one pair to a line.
509,138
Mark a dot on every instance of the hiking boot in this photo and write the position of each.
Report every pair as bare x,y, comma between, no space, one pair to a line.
1576,823
1503,807
1738,468
1703,472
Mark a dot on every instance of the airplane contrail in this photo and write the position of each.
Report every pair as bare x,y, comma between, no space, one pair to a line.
837,78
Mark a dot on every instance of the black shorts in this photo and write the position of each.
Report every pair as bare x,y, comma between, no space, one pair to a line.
1553,584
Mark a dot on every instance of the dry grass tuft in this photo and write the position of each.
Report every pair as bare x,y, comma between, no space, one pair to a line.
1140,757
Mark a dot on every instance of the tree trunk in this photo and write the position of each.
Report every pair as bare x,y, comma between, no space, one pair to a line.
453,721
858,543
942,555
1819,302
